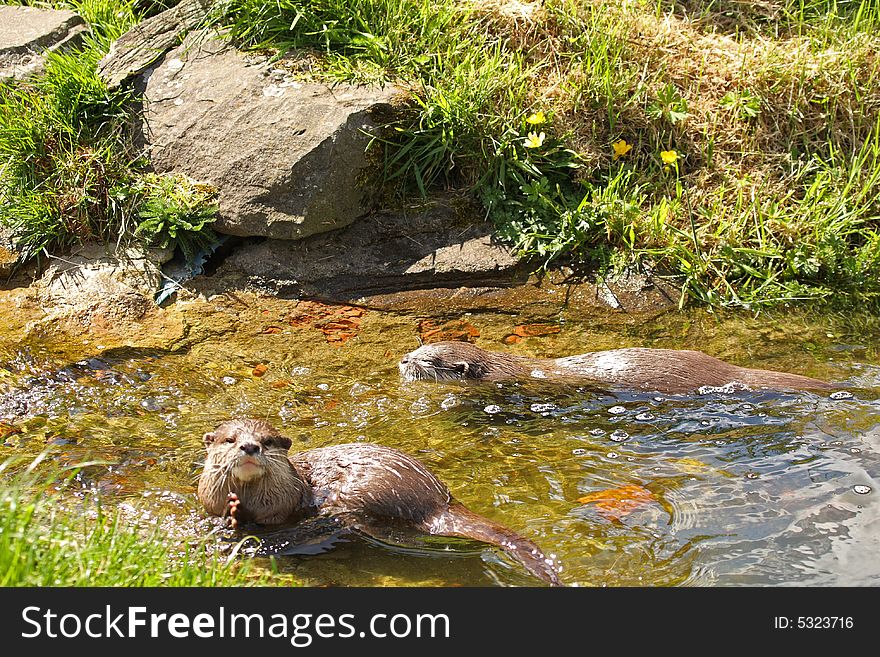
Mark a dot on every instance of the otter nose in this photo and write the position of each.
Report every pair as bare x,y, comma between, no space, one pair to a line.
250,448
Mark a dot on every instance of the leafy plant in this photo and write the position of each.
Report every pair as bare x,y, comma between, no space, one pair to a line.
746,104
177,211
669,105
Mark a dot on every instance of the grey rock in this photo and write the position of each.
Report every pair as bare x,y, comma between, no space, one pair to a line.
287,156
27,32
137,49
422,247
99,281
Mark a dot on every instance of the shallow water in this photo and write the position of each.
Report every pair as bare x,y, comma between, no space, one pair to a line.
623,488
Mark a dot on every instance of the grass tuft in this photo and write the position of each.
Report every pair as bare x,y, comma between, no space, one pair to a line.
49,537
70,172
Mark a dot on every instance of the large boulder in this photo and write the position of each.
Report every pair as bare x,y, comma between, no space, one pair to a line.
287,156
27,32
437,244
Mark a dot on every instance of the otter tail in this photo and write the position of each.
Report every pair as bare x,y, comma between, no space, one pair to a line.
461,521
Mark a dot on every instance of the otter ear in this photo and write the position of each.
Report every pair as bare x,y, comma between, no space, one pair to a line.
462,368
284,441
209,438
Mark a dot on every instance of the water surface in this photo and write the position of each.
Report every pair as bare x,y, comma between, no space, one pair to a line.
743,488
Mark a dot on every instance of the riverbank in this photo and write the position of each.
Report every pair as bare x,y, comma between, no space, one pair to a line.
730,150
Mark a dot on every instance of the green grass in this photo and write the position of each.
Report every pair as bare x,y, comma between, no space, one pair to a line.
770,108
49,537
70,172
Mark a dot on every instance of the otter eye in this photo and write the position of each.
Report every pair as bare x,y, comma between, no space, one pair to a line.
231,439
269,443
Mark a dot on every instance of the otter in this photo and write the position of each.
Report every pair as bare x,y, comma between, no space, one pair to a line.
658,370
249,476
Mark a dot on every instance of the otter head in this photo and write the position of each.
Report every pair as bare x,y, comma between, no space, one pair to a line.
444,361
249,457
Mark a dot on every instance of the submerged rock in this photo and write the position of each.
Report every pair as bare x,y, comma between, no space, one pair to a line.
286,156
27,32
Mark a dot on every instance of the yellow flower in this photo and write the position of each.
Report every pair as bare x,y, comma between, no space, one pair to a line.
669,157
534,140
621,148
537,118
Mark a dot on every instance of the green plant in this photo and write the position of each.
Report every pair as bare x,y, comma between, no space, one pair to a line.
49,537
746,104
669,105
176,210
66,156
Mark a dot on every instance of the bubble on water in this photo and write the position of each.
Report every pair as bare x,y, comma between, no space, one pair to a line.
746,407
597,432
358,389
659,399
705,423
228,380
300,371
619,435
720,442
450,402
630,458
841,394
726,389
492,409
612,455
861,489
617,410
579,452
855,450
323,386
542,408
645,417
151,404
752,475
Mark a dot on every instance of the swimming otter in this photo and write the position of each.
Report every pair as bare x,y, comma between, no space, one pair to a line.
248,473
658,370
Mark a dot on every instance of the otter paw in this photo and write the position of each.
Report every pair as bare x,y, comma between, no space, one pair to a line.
232,506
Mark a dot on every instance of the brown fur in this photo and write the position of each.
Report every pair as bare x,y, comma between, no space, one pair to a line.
658,370
361,484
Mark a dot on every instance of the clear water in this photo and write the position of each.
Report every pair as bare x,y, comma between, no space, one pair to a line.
624,489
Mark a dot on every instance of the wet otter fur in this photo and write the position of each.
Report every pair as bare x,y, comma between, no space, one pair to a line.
658,370
360,484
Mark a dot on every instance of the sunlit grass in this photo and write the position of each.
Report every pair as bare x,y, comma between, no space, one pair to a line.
50,537
770,110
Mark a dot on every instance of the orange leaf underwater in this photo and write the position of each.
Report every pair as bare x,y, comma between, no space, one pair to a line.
338,323
530,331
456,329
615,503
